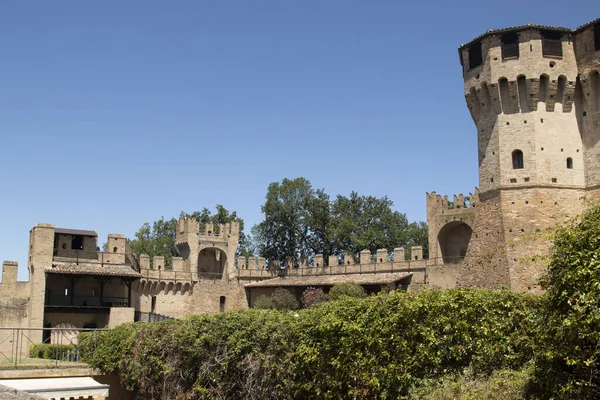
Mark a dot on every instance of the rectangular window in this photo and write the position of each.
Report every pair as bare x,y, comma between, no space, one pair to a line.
552,44
597,37
510,46
77,242
222,304
475,55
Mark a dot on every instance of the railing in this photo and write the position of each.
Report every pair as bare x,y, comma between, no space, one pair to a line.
93,257
349,269
86,301
150,317
18,344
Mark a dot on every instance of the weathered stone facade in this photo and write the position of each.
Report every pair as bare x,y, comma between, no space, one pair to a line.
83,287
534,95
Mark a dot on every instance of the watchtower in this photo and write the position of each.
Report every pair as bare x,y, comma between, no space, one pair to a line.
207,250
525,97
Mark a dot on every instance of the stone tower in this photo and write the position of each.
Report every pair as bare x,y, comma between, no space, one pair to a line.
537,153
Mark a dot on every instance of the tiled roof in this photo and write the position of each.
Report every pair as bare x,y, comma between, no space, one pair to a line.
491,32
105,269
584,26
530,26
330,280
67,231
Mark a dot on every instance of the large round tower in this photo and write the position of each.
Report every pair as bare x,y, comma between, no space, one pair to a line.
520,87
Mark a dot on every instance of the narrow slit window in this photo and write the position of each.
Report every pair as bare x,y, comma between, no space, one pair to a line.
475,55
552,44
560,91
569,163
222,301
597,37
522,91
517,159
510,46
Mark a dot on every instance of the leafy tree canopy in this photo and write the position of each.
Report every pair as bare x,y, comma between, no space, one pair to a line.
300,221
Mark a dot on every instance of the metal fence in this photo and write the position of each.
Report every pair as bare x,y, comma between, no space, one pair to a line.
150,317
44,347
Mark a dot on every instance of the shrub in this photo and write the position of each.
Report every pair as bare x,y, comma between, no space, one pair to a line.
281,299
381,345
199,356
341,290
375,347
47,351
500,385
568,361
313,296
264,302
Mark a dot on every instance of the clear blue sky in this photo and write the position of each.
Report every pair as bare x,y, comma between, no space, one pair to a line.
114,113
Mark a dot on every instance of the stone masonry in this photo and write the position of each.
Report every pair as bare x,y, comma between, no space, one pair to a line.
534,95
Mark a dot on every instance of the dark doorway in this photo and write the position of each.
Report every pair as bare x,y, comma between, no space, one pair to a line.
453,240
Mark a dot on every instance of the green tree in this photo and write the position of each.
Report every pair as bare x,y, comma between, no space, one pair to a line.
300,221
418,234
157,239
367,222
285,233
568,363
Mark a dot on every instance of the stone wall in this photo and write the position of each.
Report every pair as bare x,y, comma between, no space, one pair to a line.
10,287
120,315
78,320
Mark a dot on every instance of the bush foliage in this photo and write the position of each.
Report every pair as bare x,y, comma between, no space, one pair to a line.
313,296
350,289
568,360
281,299
52,351
500,385
375,347
454,344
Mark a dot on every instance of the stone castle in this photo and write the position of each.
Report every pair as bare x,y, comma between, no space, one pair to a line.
534,94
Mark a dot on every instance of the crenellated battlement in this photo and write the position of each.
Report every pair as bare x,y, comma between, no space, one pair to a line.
459,201
347,259
9,272
11,287
381,261
190,227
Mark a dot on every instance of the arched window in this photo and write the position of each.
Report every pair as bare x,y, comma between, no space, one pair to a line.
114,249
569,163
517,159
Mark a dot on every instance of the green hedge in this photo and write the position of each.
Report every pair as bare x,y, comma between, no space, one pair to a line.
52,351
376,347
